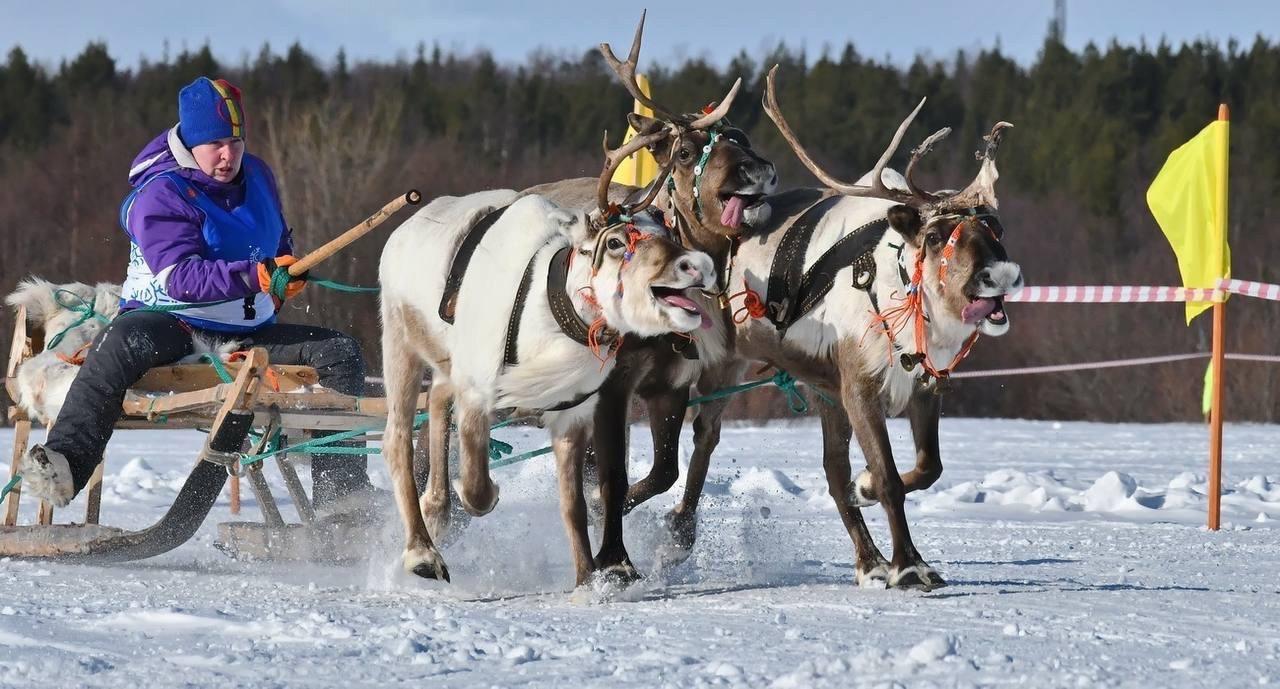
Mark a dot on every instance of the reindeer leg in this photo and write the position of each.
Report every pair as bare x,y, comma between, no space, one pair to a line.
836,433
861,397
924,409
666,408
682,521
435,500
570,448
403,370
477,493
610,443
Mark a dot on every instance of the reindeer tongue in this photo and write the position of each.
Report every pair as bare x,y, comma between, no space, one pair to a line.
732,214
977,310
689,305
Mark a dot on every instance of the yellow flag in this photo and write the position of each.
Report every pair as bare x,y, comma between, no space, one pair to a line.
640,168
1189,201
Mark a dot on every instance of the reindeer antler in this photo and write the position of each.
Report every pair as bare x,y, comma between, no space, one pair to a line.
613,159
877,188
982,190
626,72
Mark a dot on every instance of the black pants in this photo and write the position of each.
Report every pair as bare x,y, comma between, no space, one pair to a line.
139,340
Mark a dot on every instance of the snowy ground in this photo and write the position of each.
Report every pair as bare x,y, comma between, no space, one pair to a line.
1075,554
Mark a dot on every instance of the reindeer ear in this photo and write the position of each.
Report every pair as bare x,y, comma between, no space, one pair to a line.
648,125
906,220
572,224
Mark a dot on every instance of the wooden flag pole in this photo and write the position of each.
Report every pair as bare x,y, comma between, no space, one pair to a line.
1219,328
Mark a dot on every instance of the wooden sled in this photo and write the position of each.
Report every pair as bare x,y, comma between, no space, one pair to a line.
188,396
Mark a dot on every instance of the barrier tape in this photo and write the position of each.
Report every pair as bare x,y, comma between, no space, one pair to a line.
1117,294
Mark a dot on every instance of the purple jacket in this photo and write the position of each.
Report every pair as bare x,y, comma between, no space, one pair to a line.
167,229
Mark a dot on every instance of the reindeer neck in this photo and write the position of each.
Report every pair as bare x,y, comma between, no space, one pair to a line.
577,285
696,234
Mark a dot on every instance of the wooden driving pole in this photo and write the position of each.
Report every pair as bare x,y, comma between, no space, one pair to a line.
1219,335
333,246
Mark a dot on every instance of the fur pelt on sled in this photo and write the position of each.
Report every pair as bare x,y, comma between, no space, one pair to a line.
44,379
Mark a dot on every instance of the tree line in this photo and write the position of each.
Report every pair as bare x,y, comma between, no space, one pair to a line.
1092,128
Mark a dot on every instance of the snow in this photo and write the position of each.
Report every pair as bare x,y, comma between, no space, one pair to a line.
1076,555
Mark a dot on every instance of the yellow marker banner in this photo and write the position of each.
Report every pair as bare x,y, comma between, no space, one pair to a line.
639,168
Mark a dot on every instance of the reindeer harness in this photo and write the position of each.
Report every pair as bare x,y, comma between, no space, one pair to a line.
792,292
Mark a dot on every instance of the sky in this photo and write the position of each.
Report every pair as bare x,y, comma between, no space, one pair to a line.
53,30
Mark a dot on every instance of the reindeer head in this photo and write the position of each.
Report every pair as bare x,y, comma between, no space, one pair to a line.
956,256
639,276
716,179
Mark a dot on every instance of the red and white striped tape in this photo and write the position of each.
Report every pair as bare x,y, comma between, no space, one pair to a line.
1118,294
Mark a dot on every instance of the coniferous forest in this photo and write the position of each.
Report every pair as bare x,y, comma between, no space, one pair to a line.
1092,129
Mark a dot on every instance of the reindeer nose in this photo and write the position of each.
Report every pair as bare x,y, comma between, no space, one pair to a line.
686,266
984,278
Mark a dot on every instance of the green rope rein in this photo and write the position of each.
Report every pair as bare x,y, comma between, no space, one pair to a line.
796,402
82,307
8,487
280,281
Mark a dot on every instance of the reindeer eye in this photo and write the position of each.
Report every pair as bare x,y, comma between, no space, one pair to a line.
685,154
615,244
933,238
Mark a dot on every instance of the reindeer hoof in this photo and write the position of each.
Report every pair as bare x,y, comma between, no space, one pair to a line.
919,577
426,563
860,490
683,531
874,577
621,574
477,505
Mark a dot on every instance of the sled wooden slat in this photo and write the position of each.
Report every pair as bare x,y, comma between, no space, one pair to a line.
150,407
93,510
21,434
21,347
195,377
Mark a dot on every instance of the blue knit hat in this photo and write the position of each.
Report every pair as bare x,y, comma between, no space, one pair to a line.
209,110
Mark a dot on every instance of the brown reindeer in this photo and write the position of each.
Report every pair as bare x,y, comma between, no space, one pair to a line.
859,341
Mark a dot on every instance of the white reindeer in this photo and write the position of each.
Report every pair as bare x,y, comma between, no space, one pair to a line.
626,279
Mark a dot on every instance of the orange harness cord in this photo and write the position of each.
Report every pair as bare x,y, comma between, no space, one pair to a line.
76,358
752,306
272,374
912,310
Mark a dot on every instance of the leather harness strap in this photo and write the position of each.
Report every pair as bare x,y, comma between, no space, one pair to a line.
509,357
562,309
788,262
791,291
461,259
856,249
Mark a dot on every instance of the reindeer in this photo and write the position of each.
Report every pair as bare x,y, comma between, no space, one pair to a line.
716,188
870,293
580,283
